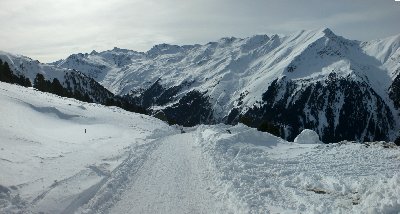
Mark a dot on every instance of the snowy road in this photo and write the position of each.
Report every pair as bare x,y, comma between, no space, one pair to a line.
131,163
172,180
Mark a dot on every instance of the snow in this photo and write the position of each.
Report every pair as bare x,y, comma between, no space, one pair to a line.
45,153
307,136
29,67
179,171
128,162
229,67
266,174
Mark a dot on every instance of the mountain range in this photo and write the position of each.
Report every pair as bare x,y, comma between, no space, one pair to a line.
342,89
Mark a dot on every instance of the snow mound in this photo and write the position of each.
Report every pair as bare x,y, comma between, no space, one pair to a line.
307,136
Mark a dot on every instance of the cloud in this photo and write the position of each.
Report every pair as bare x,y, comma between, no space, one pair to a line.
49,30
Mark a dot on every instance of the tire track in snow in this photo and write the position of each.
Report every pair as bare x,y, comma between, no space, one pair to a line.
103,195
174,179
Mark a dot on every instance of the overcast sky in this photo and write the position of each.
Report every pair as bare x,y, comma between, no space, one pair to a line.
49,30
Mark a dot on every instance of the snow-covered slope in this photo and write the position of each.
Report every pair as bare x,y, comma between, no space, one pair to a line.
126,162
227,80
29,68
386,51
238,65
75,82
47,161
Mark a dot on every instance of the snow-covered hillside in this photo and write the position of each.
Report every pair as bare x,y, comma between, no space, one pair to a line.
29,67
48,162
127,162
75,82
323,77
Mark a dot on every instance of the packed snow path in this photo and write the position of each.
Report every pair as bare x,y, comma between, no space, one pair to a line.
172,180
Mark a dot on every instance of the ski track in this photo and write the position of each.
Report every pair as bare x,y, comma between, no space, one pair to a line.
167,175
110,189
101,195
172,180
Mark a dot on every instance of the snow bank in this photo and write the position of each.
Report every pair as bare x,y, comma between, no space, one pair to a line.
264,174
307,136
382,196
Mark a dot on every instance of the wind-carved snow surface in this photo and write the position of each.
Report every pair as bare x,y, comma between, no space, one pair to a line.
127,162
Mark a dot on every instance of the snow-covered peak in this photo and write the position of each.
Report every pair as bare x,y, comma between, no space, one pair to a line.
11,57
383,48
387,51
227,40
254,42
116,49
230,66
236,72
316,76
165,49
29,68
257,39
327,32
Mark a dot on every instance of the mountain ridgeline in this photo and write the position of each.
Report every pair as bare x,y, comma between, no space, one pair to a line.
63,82
343,89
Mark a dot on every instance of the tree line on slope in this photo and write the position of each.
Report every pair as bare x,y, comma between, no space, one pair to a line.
6,75
55,87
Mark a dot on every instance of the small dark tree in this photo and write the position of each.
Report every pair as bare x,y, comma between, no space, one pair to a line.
39,82
56,87
27,82
6,74
47,86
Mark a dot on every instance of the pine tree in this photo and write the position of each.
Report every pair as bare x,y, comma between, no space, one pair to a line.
27,82
6,74
39,82
57,88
